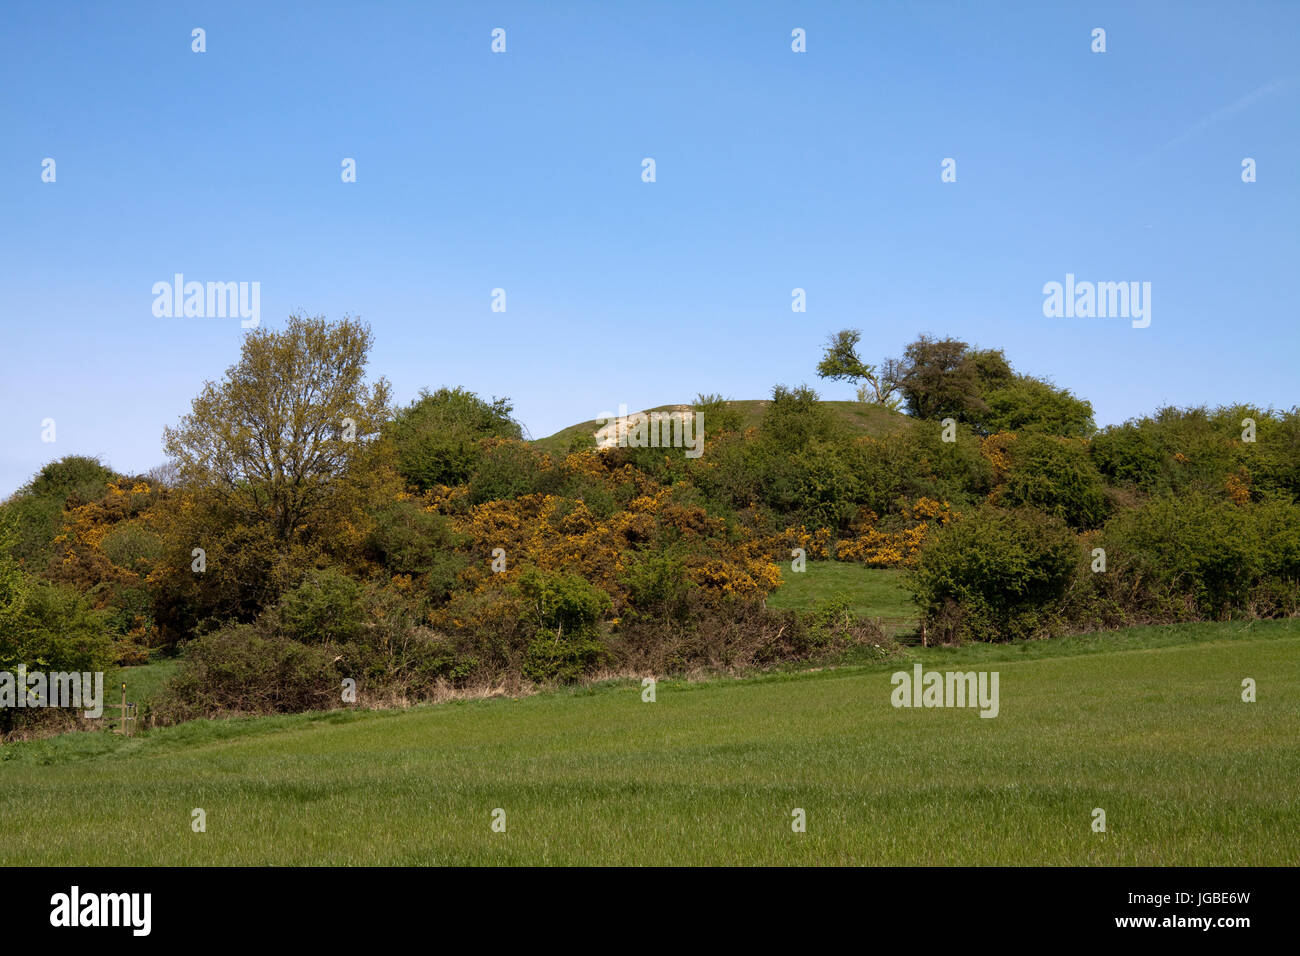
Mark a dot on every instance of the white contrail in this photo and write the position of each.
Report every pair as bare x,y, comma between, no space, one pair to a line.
1231,110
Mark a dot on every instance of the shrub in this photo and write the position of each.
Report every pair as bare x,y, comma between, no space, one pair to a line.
1130,454
656,583
564,658
794,417
1032,405
567,611
994,575
37,508
1195,449
132,546
489,627
36,521
241,671
737,634
437,436
719,414
78,476
325,607
394,656
730,474
816,487
406,539
509,469
1274,459
13,583
1225,558
57,630
918,463
562,601
45,627
1056,476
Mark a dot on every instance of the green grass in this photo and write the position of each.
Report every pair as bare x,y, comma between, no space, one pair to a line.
862,417
144,683
1147,724
869,592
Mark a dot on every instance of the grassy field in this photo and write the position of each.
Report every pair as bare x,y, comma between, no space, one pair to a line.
869,592
1147,724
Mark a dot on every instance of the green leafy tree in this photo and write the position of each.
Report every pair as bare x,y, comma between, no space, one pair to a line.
293,417
942,378
939,378
37,508
437,437
277,467
1031,404
841,362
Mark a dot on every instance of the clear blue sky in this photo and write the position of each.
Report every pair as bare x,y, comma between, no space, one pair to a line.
523,171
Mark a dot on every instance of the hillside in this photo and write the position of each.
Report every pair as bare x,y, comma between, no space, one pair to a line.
868,419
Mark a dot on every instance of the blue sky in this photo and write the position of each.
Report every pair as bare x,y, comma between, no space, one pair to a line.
522,171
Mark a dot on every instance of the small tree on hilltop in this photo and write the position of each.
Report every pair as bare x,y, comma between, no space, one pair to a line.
842,363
